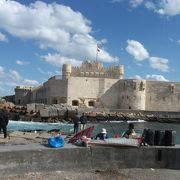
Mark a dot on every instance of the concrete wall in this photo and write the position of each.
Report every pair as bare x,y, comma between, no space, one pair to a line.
48,159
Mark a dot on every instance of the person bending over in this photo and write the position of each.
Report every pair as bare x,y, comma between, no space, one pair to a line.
130,132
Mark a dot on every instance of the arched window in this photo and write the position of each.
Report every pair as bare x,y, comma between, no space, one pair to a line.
91,103
75,103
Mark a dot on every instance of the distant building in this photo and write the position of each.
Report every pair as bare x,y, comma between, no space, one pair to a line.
92,85
10,98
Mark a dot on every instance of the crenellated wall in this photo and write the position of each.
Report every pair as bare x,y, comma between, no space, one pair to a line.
93,69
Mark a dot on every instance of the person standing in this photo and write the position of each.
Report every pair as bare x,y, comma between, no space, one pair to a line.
3,122
76,121
83,120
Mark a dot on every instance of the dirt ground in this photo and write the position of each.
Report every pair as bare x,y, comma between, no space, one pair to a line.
120,174
22,138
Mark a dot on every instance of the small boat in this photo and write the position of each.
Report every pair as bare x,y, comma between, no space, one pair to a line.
115,142
56,142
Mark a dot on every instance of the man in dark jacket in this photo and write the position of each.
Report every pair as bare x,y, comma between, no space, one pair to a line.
76,121
3,122
83,120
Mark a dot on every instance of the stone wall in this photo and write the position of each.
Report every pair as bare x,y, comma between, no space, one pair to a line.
85,89
132,94
162,96
54,91
22,95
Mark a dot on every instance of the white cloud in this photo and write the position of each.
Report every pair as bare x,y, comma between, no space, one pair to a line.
169,7
58,60
14,75
156,77
3,37
1,72
135,77
137,50
19,62
160,64
153,77
48,73
150,5
10,79
30,82
52,26
164,7
135,3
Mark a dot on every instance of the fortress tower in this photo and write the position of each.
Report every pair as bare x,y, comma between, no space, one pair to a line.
66,71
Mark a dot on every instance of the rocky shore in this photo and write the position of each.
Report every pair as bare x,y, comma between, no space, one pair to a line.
64,113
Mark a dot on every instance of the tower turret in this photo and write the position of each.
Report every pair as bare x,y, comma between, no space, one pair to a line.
66,71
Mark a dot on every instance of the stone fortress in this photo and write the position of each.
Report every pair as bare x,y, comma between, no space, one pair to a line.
92,85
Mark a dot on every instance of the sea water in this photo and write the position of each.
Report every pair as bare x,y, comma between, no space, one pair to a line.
32,126
111,127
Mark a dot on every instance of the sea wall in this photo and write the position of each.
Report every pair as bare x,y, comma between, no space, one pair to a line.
21,160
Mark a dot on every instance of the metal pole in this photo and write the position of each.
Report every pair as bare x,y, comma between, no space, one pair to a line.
96,53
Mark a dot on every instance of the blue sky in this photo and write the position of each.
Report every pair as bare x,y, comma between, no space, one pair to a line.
37,37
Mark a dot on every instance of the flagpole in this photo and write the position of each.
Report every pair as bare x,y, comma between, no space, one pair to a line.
96,53
97,50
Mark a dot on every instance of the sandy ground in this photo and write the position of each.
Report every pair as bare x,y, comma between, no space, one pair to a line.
21,138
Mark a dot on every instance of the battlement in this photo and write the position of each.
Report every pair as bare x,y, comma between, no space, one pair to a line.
23,88
93,69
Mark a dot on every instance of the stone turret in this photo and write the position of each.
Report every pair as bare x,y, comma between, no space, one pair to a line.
22,94
132,94
119,72
66,71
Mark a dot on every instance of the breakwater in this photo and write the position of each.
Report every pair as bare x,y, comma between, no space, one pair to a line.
127,115
22,159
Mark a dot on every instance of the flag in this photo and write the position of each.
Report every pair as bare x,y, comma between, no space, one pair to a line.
98,49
